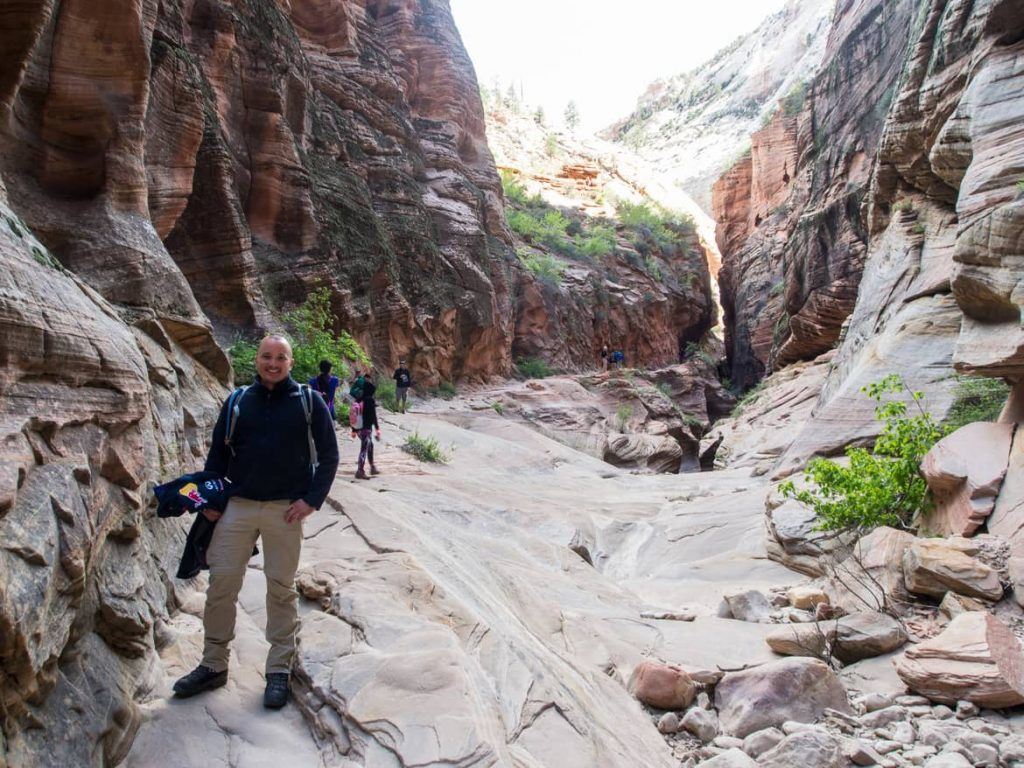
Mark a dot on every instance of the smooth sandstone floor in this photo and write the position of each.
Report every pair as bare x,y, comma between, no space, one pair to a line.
544,640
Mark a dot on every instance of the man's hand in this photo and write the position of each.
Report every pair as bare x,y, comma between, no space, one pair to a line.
212,515
378,435
297,511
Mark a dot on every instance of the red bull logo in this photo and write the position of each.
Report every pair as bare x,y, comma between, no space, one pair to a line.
191,491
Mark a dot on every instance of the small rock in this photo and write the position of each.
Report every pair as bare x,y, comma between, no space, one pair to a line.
883,717
761,741
872,702
702,723
733,758
751,606
795,616
1012,748
983,754
942,712
662,686
910,700
953,605
860,752
669,723
815,747
966,709
948,760
727,742
806,596
885,746
704,701
903,732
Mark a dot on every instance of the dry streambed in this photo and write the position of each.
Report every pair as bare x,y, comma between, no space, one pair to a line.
496,611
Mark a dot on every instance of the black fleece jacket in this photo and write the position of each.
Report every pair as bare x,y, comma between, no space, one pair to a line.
271,447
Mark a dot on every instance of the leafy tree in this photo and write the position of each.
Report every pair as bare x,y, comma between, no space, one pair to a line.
512,99
879,487
551,145
538,116
572,115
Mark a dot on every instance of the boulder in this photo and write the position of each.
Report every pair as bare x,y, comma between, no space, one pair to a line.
977,658
792,538
800,639
964,472
790,689
750,605
930,567
808,749
871,578
1007,518
806,596
1015,568
662,686
865,635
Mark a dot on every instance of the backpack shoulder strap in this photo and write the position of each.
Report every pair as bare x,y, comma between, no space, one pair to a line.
234,409
306,398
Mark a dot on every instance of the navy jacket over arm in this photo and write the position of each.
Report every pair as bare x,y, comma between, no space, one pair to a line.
271,449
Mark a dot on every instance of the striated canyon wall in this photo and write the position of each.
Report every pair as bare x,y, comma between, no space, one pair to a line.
896,237
205,157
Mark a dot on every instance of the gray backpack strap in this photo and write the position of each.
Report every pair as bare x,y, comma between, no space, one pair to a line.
306,398
234,409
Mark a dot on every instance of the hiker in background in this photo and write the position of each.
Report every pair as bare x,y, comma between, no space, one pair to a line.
326,384
619,358
364,424
403,380
276,442
604,357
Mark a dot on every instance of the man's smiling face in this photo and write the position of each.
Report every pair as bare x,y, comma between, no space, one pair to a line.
273,361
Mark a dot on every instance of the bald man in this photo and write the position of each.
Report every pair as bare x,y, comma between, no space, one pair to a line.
276,488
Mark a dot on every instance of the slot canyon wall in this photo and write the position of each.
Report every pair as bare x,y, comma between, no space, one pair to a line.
883,219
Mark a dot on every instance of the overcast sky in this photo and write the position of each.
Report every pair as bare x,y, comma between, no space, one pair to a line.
601,54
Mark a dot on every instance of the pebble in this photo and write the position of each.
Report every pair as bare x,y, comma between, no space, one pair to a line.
703,700
727,742
904,733
965,710
882,717
942,712
701,723
871,702
669,723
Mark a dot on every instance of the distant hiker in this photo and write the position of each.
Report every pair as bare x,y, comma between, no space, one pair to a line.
618,357
604,357
276,442
403,380
326,384
364,425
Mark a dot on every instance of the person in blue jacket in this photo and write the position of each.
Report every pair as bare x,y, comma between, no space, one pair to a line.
326,384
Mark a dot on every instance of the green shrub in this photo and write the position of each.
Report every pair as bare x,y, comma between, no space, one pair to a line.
693,350
311,326
243,360
425,449
598,242
879,487
793,101
622,416
551,145
341,411
1020,188
653,268
498,407
903,204
545,267
975,399
446,390
918,228
533,368
652,224
748,398
514,191
386,394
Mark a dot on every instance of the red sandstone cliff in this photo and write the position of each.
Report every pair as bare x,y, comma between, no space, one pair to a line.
243,153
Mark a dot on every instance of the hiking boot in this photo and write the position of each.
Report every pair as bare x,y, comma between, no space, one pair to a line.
198,680
275,695
360,475
374,470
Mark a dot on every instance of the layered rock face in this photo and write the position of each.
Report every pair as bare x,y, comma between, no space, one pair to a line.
95,400
248,153
792,241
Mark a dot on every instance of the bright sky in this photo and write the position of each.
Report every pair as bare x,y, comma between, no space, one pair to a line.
600,54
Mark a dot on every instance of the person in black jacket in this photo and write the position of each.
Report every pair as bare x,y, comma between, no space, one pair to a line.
268,454
403,380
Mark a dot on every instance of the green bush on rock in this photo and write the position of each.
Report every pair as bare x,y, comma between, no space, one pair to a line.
879,487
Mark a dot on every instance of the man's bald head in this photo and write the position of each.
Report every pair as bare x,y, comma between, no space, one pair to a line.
274,360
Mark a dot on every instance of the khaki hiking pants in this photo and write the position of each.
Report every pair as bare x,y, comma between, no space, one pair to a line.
230,549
